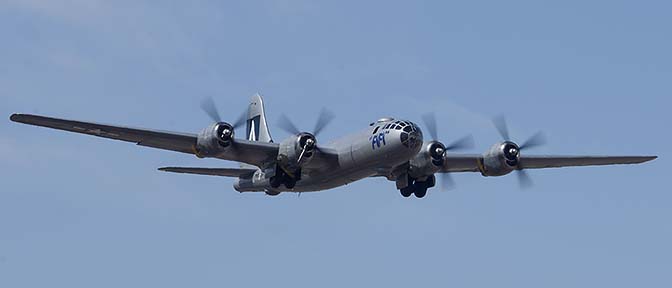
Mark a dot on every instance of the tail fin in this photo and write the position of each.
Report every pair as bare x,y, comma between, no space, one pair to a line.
257,130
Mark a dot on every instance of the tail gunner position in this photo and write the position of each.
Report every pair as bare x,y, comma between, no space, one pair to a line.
395,149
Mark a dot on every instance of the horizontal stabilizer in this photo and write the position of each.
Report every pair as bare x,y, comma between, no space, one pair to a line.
227,172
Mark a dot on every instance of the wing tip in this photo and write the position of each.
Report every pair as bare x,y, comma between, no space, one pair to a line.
171,169
22,118
641,159
15,117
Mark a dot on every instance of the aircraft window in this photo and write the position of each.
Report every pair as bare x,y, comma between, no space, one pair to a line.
398,128
376,130
386,126
408,129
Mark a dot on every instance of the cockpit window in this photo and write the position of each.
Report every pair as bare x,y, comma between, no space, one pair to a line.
376,129
410,135
405,126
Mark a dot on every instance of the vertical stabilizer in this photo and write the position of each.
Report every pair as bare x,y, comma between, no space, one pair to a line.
257,130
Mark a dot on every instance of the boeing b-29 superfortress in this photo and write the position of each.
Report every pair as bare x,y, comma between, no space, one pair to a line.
391,148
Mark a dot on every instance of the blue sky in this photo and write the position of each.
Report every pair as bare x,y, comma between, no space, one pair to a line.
77,211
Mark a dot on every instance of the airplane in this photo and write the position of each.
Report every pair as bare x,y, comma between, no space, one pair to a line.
390,148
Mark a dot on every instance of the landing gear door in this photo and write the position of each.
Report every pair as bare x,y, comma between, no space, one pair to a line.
402,181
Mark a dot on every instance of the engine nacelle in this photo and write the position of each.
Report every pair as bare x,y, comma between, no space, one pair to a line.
501,159
428,161
214,140
296,151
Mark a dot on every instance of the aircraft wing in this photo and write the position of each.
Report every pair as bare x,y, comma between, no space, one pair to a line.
250,152
227,172
325,159
470,163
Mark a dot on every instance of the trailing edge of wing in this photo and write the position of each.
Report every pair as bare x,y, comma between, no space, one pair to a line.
227,172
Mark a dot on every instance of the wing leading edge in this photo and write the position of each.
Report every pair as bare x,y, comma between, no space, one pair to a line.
250,152
470,163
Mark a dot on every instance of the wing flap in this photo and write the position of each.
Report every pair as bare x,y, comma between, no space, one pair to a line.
226,172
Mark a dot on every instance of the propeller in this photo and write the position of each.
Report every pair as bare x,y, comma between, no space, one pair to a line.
323,120
447,182
285,124
209,107
524,179
466,142
309,143
536,140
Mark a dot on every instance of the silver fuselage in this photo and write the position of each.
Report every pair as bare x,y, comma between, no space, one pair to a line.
360,155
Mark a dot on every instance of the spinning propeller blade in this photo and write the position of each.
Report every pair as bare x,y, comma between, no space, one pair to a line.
430,122
323,120
502,128
524,179
208,105
536,140
285,124
464,143
447,182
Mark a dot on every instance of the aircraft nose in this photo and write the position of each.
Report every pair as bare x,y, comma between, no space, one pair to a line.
411,136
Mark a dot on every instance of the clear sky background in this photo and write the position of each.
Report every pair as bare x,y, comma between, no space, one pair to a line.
80,211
